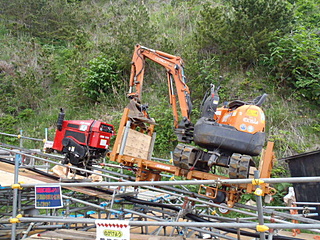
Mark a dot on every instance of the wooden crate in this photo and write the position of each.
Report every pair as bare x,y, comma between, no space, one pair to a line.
137,145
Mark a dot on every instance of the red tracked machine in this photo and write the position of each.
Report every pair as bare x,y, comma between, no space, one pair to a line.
82,141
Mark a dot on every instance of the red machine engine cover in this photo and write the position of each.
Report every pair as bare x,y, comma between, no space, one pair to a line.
90,133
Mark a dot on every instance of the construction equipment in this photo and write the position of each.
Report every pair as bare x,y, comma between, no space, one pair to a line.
230,135
226,136
82,141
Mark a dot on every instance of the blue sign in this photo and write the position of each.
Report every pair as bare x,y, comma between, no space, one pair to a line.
48,197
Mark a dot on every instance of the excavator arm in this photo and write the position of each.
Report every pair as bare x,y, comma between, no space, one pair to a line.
175,77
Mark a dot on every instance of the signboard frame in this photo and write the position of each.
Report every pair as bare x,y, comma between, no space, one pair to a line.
48,196
112,229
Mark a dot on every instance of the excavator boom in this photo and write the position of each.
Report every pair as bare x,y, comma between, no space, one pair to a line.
175,77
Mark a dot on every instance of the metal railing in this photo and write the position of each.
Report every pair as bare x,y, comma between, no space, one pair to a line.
259,214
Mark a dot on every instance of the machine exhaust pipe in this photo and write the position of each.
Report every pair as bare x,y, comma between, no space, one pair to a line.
60,119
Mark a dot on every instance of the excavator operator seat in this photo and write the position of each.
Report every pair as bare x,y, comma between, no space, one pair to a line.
235,104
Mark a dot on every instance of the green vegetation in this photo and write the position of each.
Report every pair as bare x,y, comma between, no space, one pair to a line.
76,55
101,78
241,30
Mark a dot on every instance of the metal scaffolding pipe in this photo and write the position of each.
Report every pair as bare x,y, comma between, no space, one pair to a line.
144,215
22,137
290,208
193,199
56,163
259,207
182,224
8,148
186,182
15,197
84,202
306,203
164,183
149,185
162,220
281,214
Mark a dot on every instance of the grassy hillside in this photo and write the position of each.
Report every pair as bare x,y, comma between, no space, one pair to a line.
48,58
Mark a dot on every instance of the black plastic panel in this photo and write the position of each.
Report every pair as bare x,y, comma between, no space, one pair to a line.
306,165
211,135
77,135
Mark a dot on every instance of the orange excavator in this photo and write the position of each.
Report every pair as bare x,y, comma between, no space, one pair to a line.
227,136
230,135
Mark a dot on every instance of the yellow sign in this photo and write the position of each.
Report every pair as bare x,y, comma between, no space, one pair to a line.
251,112
112,233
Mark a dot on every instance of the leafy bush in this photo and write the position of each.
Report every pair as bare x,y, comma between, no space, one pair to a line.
307,12
7,123
295,62
166,140
26,114
242,30
101,77
28,88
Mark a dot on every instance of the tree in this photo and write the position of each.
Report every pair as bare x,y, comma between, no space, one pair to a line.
242,29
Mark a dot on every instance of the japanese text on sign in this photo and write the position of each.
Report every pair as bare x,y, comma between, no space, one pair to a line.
112,230
48,197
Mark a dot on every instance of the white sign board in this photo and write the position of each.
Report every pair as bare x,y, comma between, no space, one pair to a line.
112,230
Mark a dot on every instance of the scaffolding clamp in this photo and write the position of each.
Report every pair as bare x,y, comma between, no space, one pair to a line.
262,228
16,219
256,182
259,192
16,186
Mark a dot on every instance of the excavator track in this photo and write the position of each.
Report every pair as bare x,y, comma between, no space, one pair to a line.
239,166
181,155
187,157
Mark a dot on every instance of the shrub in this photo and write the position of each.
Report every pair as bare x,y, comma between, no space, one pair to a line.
295,62
101,77
166,139
7,125
242,30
